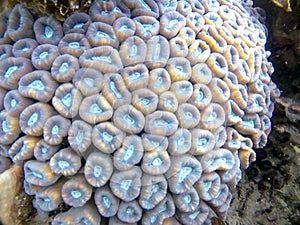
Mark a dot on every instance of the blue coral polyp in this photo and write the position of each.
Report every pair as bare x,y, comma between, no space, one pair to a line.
76,191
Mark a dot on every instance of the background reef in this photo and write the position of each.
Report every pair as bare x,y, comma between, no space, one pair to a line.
59,8
268,192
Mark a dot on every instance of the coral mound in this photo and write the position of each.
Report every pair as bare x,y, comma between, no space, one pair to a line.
139,111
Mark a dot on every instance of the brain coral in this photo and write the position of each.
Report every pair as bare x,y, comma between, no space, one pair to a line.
138,112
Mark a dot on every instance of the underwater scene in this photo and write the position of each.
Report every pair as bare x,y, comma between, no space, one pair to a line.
149,112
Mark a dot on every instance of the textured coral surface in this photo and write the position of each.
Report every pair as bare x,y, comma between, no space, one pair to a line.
139,111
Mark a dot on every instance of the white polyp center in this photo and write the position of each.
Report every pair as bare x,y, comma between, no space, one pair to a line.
207,185
180,141
32,119
79,135
125,184
234,142
114,89
179,46
106,201
248,123
156,52
129,120
194,215
55,130
133,51
146,27
104,58
162,208
185,88
89,81
184,172
198,51
145,101
9,71
220,90
160,123
24,49
155,144
256,102
200,96
242,69
187,199
43,55
201,141
217,62
101,34
211,117
78,25
117,9
219,192
48,32
67,99
128,153
179,69
172,23
134,76
94,108
221,160
154,188
186,35
46,199
159,81
130,211
123,28
107,137
156,162
85,221
232,114
188,115
44,150
64,67
104,13
153,219
220,44
62,164
2,55
37,84
213,18
97,171
13,103
74,44
5,128
168,103
23,148
209,162
76,194
244,144
203,72
37,175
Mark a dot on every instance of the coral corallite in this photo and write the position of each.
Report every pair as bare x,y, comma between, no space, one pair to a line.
138,112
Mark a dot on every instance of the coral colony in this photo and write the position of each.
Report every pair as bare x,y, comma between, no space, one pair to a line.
143,112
